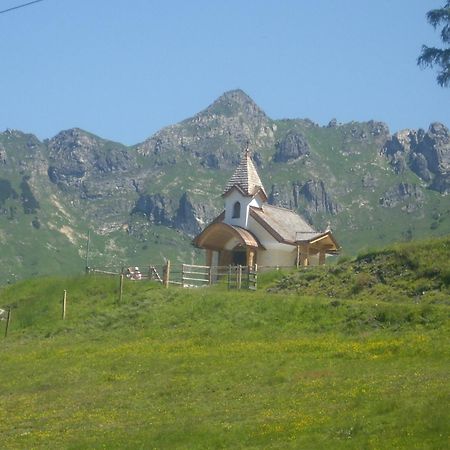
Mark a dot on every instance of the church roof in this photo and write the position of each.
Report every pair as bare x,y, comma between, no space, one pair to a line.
285,225
245,178
216,235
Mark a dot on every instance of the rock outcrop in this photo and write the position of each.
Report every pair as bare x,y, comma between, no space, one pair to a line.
3,156
316,196
186,215
75,155
293,146
310,196
409,197
426,153
6,192
159,209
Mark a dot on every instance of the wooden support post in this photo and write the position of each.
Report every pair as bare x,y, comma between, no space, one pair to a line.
321,257
209,256
64,305
298,256
306,260
304,255
250,257
8,320
166,275
121,288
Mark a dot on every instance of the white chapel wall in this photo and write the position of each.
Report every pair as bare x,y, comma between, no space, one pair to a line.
272,258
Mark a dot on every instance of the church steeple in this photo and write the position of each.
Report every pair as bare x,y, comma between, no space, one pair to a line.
245,178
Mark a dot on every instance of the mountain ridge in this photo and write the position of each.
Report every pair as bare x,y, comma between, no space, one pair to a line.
145,202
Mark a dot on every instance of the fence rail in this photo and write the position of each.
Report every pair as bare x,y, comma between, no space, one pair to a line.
194,275
190,275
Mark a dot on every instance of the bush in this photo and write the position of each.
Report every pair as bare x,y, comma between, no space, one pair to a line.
362,281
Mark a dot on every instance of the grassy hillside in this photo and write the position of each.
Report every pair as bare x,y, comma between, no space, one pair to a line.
209,368
417,271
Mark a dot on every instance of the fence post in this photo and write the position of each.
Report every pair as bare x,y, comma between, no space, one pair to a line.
239,277
121,288
182,275
64,304
209,276
229,276
8,320
253,278
166,275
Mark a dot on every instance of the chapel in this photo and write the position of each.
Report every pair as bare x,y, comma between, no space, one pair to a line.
251,231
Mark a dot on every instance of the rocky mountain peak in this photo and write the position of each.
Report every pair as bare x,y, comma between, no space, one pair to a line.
70,140
10,132
28,139
235,102
215,135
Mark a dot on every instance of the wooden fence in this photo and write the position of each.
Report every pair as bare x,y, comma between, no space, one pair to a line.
194,276
191,275
151,273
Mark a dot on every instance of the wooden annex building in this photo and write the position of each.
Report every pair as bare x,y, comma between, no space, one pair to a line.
250,231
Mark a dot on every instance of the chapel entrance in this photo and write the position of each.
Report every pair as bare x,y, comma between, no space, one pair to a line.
240,257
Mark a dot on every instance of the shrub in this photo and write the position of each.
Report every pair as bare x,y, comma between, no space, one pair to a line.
362,281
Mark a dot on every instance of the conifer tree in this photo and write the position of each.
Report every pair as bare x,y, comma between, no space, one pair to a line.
439,57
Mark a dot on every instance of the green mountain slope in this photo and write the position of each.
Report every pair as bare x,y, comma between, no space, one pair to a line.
144,203
210,368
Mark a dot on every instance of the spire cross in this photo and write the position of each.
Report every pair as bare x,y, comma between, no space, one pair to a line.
247,148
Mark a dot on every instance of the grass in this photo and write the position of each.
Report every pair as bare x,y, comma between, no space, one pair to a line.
416,272
211,368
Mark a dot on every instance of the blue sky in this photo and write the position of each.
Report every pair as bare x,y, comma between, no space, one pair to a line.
124,69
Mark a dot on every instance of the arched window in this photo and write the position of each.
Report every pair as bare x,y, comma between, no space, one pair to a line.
236,210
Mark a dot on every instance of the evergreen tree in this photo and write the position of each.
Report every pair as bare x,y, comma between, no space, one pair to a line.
432,56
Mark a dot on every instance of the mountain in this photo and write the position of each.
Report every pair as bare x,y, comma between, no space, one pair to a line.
145,202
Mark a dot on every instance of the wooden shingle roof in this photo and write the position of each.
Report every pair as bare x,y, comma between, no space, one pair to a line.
285,225
288,227
245,178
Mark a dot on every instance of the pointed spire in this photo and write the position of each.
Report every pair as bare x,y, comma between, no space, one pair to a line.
245,177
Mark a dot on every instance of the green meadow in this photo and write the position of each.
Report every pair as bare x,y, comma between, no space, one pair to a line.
285,367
